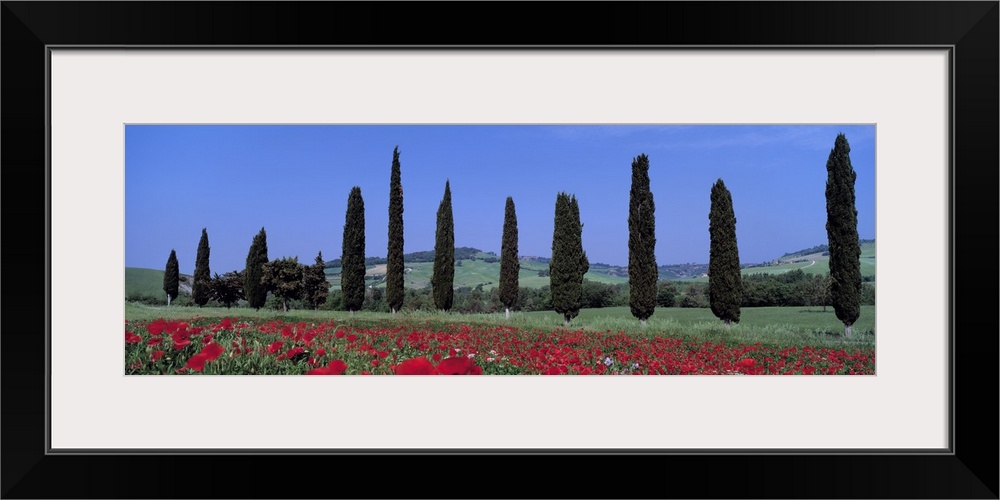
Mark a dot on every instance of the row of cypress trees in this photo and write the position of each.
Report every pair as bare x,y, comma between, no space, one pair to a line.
569,262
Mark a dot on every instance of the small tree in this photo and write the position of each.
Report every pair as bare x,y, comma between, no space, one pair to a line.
352,260
228,288
569,262
842,230
666,294
642,270
254,288
171,277
443,278
394,267
314,284
510,266
284,277
201,290
725,286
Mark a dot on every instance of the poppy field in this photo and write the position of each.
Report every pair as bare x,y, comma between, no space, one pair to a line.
276,346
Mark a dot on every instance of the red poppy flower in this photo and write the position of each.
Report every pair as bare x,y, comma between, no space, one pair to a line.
374,362
212,351
383,354
437,357
456,366
206,339
180,344
352,337
154,341
320,352
157,355
336,367
415,366
131,338
275,346
339,334
226,324
197,362
156,327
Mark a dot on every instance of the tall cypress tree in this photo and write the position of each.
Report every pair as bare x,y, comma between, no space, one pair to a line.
171,277
569,262
842,231
394,260
254,289
202,289
725,285
352,260
510,266
443,279
642,271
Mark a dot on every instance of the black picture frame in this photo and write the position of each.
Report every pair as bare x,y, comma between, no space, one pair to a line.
969,28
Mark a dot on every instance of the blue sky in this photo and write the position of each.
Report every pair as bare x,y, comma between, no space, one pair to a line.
294,181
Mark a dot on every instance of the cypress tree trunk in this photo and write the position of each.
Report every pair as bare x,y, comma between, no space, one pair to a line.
506,313
168,300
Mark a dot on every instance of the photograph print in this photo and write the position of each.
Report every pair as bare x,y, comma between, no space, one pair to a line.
567,249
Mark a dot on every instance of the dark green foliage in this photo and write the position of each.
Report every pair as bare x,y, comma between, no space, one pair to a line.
202,289
284,277
666,294
725,287
443,278
228,288
694,296
352,274
510,266
569,262
642,271
171,277
314,284
254,288
394,258
842,231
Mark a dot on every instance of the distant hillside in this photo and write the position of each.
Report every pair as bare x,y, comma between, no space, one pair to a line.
149,283
815,260
461,253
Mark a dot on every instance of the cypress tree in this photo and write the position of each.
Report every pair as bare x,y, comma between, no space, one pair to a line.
315,287
842,231
202,289
394,260
569,262
352,260
171,277
443,279
642,271
725,285
510,266
254,288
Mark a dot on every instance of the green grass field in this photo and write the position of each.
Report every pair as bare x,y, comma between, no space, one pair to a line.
771,326
144,282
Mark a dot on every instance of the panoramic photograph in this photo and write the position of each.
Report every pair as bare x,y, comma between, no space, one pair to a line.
605,249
